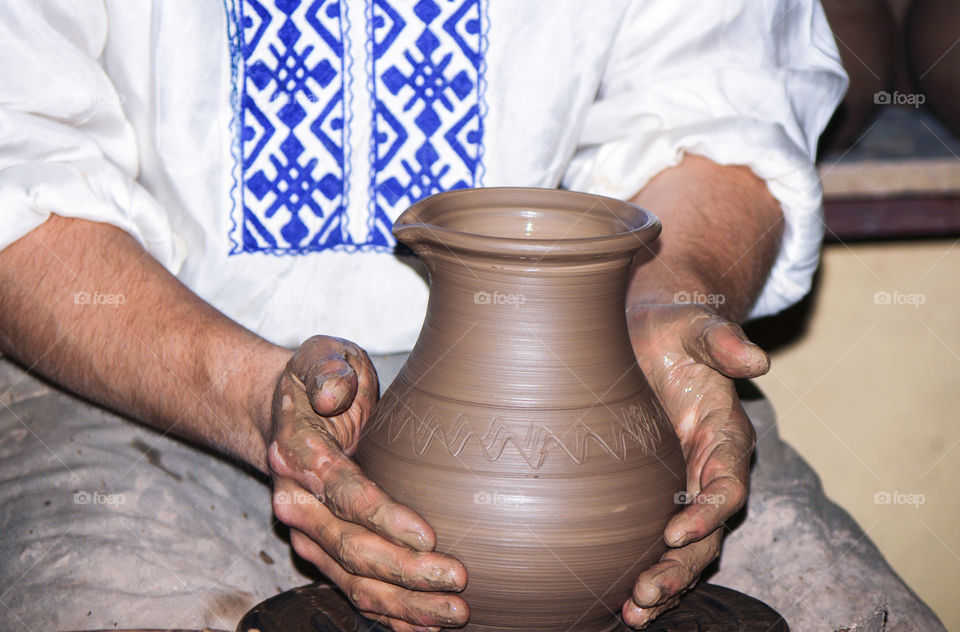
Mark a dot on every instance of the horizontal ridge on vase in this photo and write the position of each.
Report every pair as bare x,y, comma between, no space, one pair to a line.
520,425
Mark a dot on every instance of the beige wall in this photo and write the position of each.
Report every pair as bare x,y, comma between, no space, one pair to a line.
869,393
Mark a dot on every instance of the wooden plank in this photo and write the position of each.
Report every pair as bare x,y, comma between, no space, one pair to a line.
893,218
891,178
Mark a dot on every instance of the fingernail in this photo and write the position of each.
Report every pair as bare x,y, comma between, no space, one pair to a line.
343,371
452,616
677,542
646,593
440,577
640,615
655,594
674,539
417,540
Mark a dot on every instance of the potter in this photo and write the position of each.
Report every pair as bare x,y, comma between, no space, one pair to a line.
234,176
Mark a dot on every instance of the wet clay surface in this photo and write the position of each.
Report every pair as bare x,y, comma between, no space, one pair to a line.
520,426
321,608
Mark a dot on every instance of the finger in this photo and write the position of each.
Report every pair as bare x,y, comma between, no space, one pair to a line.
723,346
676,571
719,480
299,430
330,381
336,481
708,511
639,618
370,595
362,552
334,371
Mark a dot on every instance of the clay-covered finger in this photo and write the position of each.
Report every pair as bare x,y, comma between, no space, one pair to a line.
330,382
364,553
298,427
726,348
334,371
368,595
676,572
353,497
718,474
707,511
335,480
418,608
639,618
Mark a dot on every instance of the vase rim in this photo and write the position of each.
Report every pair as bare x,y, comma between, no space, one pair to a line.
599,225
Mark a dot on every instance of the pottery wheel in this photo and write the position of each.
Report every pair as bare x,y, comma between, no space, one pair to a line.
321,607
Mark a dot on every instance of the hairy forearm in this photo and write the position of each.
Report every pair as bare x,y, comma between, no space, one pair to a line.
84,305
721,233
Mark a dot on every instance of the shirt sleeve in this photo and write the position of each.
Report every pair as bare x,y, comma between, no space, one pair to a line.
66,146
742,83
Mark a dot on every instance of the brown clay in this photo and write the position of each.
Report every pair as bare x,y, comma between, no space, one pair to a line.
520,426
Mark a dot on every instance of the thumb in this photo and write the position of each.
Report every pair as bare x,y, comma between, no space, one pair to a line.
727,349
331,385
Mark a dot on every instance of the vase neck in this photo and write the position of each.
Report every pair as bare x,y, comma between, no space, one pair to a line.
533,332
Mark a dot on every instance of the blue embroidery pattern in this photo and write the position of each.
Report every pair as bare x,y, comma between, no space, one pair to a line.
292,120
292,76
426,64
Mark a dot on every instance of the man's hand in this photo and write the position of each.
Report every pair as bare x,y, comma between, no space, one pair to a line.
721,234
689,355
171,360
379,552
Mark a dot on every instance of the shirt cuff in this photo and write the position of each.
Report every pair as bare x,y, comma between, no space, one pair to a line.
92,189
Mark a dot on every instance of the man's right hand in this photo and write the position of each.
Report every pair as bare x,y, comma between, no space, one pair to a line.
379,552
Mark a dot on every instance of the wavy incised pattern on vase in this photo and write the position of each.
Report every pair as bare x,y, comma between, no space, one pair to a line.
635,425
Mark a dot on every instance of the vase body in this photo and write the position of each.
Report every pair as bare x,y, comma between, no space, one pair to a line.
520,426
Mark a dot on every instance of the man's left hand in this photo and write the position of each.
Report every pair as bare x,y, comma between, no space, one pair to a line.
689,355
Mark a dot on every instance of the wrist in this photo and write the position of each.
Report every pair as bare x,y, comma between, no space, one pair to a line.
267,366
271,367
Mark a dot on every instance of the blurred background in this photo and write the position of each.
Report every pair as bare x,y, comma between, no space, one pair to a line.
866,371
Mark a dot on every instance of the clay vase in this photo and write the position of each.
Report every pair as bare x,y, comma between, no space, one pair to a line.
866,36
932,31
520,426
